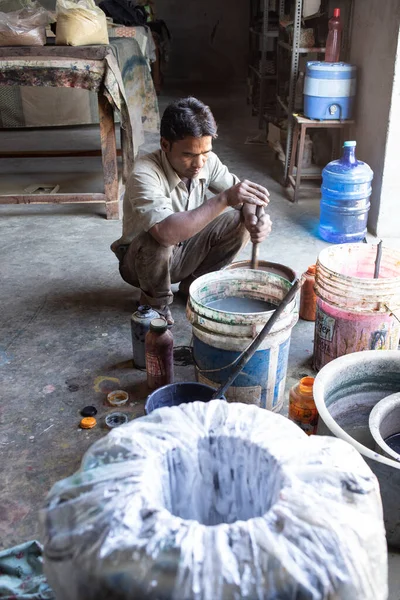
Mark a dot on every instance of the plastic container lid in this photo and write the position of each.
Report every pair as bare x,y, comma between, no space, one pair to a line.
117,398
319,65
88,423
160,324
116,419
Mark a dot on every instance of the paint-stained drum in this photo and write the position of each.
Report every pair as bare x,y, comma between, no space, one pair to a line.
352,313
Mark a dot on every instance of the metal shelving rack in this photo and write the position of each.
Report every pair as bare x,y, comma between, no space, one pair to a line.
287,108
264,70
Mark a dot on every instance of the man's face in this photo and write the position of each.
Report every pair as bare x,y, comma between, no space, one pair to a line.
189,155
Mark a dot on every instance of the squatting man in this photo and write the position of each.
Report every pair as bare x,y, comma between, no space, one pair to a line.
172,230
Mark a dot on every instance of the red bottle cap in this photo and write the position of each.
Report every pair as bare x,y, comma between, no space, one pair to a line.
336,12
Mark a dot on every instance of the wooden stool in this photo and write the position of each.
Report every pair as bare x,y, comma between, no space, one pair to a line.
301,124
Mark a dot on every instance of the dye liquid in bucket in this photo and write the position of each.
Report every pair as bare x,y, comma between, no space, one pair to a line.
346,188
220,334
355,312
237,304
393,441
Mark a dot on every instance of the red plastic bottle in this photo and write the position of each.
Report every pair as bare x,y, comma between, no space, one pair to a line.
333,41
159,346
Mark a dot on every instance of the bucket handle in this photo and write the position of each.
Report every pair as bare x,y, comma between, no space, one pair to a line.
392,312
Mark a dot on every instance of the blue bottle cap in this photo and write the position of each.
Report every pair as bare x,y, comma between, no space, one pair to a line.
349,144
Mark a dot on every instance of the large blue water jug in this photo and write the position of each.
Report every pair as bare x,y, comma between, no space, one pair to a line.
346,188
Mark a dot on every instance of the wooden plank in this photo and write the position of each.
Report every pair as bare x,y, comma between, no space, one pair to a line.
125,162
300,152
54,154
52,198
52,51
109,156
328,123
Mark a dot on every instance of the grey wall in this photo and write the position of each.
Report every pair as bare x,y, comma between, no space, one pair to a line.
210,39
389,213
374,49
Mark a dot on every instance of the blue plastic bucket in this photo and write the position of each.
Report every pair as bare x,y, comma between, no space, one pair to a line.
175,394
219,336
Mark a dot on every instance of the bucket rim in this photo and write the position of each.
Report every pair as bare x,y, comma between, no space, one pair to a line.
264,263
176,384
229,317
329,373
350,278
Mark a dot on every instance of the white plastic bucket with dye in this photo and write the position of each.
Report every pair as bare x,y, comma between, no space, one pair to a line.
354,310
219,337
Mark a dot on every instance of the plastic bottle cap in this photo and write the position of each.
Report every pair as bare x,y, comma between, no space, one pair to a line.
159,324
306,385
311,269
88,423
89,411
349,144
144,308
336,12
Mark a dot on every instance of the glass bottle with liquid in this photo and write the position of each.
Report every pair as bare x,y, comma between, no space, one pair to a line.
302,409
159,346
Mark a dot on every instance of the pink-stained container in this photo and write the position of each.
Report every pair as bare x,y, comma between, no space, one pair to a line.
355,311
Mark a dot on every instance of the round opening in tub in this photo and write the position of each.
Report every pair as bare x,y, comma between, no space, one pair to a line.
226,480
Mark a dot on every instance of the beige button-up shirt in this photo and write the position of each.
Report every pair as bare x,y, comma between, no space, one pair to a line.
154,191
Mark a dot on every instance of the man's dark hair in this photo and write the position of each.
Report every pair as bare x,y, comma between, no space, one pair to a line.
187,117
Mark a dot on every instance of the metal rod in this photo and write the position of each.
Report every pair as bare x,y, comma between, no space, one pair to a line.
294,71
254,253
378,260
248,353
263,64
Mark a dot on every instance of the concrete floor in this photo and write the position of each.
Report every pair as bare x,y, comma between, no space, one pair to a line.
66,312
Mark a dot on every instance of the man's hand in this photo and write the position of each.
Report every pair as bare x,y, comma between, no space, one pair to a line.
259,228
247,192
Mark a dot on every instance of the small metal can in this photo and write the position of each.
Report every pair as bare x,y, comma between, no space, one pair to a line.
140,325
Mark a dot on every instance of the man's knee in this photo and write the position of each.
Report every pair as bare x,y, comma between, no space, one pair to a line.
143,257
146,248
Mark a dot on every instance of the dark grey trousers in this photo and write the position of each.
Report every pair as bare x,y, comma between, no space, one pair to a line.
152,268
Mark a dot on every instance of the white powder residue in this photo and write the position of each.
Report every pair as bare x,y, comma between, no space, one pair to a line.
216,501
